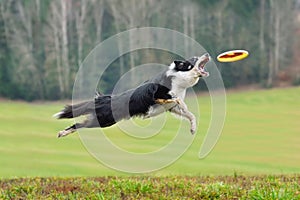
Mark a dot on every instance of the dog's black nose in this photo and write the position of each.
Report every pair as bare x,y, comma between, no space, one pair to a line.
206,54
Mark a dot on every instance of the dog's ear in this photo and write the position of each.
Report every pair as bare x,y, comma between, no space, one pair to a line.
182,65
179,65
178,62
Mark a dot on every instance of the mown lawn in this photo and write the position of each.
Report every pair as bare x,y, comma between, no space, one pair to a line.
260,136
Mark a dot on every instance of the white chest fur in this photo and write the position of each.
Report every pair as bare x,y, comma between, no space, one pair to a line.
178,91
180,84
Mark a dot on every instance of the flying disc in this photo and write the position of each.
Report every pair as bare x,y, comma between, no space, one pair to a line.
231,56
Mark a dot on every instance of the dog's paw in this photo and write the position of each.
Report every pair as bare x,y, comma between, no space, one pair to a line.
193,128
193,131
63,133
166,101
177,100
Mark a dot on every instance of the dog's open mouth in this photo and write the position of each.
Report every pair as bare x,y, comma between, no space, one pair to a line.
201,67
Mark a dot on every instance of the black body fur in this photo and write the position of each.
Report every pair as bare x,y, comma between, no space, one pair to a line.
110,109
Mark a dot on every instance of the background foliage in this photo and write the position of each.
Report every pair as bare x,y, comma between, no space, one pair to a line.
44,42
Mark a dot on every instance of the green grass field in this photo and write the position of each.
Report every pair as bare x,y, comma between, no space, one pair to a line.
174,187
260,136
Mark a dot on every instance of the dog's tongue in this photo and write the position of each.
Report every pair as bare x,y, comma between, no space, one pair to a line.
202,64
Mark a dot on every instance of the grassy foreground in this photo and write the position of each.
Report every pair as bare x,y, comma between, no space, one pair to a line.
260,136
182,187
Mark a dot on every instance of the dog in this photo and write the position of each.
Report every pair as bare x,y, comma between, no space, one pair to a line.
164,92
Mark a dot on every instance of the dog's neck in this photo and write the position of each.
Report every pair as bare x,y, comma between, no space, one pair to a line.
180,82
178,91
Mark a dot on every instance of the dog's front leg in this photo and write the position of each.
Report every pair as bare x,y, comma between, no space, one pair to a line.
181,110
165,101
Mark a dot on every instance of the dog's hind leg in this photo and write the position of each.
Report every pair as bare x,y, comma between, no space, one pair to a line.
70,129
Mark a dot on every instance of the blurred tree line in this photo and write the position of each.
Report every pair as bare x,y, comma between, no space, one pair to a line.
43,42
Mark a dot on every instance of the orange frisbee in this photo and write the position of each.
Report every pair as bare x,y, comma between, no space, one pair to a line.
232,56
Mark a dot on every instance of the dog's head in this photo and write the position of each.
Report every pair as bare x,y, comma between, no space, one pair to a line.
187,73
194,66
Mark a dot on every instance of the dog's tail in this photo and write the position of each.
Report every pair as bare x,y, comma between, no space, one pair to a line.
71,111
76,110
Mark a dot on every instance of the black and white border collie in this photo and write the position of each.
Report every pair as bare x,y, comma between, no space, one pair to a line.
164,92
